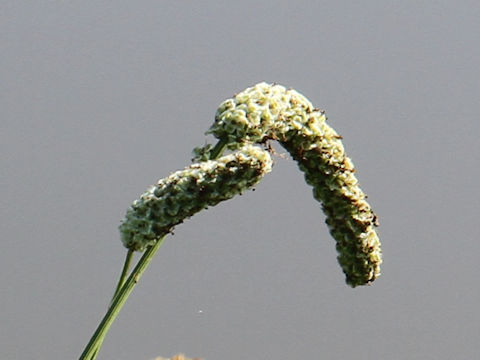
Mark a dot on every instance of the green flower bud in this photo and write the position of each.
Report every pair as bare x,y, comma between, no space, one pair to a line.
265,112
186,192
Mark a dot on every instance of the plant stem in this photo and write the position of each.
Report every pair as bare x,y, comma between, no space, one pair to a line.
218,150
123,276
119,299
121,281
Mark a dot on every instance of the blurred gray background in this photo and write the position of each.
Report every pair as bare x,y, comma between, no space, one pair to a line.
99,99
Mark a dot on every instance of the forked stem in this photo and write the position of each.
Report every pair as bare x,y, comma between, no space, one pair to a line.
121,281
118,301
123,276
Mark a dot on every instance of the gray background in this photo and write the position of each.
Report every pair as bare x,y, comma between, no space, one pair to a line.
99,99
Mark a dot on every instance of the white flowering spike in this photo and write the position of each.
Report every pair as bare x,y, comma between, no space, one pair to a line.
188,191
265,112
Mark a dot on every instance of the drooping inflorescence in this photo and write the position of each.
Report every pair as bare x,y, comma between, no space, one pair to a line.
254,116
188,191
271,112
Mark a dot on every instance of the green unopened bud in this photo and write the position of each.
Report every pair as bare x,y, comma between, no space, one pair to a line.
186,192
265,112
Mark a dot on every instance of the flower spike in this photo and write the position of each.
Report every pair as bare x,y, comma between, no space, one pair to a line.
272,112
186,192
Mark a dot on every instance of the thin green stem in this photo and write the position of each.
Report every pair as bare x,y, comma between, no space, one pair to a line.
123,276
92,347
121,281
218,150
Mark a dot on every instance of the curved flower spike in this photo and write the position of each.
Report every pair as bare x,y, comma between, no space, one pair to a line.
186,192
265,112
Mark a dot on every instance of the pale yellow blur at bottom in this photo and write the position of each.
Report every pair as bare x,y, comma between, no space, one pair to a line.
177,357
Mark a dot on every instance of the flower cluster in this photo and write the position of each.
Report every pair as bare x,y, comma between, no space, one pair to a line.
349,216
265,112
258,114
188,191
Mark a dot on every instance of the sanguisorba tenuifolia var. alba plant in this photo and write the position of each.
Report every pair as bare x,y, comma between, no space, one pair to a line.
243,125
